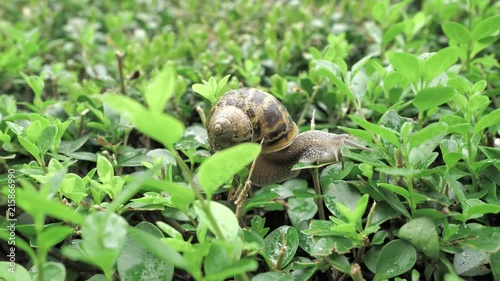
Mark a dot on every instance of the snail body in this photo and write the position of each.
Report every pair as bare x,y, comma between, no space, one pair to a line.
251,115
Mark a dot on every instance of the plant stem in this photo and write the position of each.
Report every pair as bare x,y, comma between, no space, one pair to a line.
317,189
306,107
244,192
119,57
471,160
204,205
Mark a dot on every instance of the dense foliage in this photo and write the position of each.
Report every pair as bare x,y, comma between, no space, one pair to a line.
101,111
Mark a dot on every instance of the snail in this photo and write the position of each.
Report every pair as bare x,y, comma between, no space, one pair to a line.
251,115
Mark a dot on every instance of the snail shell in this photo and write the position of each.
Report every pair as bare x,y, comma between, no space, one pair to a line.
251,115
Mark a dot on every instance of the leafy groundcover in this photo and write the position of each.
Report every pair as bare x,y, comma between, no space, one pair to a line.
101,110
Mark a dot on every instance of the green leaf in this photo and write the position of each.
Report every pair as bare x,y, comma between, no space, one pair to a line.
169,230
105,169
458,32
205,92
52,271
301,209
429,137
439,63
157,125
486,239
30,147
486,27
359,210
161,127
36,83
136,262
73,187
225,219
327,72
378,130
340,192
283,242
406,64
487,121
103,234
432,97
33,203
278,276
220,167
396,257
422,233
13,273
471,262
52,235
161,89
158,248
396,189
234,269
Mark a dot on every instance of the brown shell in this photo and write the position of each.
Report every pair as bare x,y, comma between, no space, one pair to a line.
248,115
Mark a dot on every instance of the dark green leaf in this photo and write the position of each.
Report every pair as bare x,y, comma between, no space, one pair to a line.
422,233
136,261
284,242
396,257
278,276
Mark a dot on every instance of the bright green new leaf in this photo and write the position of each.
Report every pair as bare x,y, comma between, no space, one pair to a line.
34,130
439,62
220,167
225,220
52,235
30,147
396,257
161,89
204,91
105,169
421,232
127,106
36,83
456,31
432,97
488,120
406,64
360,209
382,132
18,272
53,271
46,139
486,27
170,230
328,73
159,126
430,135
